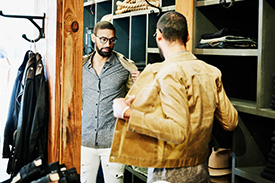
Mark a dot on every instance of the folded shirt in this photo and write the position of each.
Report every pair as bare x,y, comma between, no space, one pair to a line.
227,44
229,38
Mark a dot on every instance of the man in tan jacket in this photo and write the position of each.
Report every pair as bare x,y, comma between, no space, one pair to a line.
165,121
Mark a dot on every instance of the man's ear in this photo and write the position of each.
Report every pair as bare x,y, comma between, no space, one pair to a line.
93,37
159,35
188,38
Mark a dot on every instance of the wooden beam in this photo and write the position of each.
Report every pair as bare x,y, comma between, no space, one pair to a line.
186,7
71,83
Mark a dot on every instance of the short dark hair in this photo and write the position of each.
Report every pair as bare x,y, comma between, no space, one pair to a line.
173,26
104,25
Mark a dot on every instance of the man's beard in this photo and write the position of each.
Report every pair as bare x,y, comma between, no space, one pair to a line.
104,54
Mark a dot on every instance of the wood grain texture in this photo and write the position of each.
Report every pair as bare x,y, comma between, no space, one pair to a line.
71,83
186,7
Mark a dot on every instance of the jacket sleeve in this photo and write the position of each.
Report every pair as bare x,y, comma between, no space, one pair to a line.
226,114
129,65
168,122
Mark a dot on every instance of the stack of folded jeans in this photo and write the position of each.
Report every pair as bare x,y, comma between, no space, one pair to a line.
269,171
273,94
39,171
226,38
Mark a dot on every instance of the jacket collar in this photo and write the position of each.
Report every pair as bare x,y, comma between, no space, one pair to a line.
181,56
176,57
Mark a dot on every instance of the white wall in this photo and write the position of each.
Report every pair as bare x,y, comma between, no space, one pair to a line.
14,48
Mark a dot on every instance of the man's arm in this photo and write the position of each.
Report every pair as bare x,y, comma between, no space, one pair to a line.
226,114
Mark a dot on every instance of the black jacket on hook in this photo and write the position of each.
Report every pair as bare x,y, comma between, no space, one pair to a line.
28,115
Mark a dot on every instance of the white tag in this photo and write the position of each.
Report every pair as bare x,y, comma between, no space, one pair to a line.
54,176
37,162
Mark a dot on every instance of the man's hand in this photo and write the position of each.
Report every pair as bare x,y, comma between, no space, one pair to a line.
135,75
121,107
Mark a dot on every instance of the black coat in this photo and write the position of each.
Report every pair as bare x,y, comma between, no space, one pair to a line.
27,125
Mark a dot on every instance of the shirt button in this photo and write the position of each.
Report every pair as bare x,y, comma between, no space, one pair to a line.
95,116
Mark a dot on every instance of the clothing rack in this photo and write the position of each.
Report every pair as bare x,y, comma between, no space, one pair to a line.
30,18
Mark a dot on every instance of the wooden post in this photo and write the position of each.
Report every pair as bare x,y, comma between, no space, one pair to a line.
71,83
186,7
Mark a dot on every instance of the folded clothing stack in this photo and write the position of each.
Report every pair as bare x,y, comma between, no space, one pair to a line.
39,171
269,171
226,38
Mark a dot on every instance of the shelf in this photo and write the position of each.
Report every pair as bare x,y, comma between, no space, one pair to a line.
168,8
252,173
210,2
229,52
267,112
250,108
153,50
139,175
88,3
244,105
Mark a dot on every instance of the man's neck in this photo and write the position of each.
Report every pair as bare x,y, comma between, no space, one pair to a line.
172,49
98,62
99,58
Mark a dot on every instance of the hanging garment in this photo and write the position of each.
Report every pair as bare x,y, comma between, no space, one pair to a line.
13,110
26,129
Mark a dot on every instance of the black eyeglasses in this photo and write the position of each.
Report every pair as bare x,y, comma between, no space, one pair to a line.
155,34
104,40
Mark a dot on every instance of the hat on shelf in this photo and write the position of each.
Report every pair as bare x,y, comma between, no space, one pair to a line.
220,179
108,17
219,163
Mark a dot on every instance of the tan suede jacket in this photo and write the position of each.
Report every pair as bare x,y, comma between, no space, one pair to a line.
172,117
127,64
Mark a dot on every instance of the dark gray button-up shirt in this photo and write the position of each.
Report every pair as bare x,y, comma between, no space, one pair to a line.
98,121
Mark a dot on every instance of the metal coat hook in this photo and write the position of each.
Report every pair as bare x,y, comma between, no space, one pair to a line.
224,3
30,18
154,7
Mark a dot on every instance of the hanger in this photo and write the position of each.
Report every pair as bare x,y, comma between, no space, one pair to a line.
224,3
154,7
33,46
30,18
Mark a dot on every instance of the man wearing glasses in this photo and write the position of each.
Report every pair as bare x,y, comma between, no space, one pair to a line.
106,75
